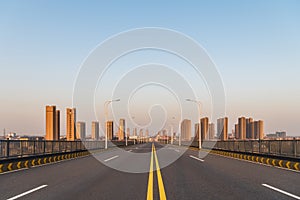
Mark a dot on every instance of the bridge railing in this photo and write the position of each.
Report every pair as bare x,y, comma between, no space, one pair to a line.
20,148
289,148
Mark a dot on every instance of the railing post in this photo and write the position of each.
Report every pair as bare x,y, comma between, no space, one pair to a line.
280,147
295,147
269,147
44,147
34,147
21,148
7,147
52,147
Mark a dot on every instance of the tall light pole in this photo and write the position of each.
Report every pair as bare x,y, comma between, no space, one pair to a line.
199,127
106,104
172,131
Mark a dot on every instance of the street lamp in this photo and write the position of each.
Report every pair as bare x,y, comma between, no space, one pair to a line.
106,104
199,127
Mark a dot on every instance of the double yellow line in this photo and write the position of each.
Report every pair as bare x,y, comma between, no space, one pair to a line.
162,193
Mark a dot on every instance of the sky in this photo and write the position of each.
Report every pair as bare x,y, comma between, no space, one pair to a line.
254,44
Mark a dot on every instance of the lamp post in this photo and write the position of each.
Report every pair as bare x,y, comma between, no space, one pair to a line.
199,127
172,132
106,104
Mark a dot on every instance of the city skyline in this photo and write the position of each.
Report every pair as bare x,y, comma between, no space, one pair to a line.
255,82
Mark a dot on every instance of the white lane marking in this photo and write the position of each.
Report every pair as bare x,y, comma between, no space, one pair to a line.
130,151
108,159
281,191
28,192
17,170
176,150
196,158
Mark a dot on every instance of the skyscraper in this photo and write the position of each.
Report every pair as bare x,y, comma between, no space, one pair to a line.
71,123
222,128
52,123
186,126
249,128
211,131
134,132
95,130
204,128
110,130
259,129
236,131
80,130
121,134
242,128
57,125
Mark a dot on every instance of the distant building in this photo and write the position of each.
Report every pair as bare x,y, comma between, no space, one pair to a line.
222,128
186,126
211,131
110,130
249,128
147,133
80,130
71,124
134,132
121,134
236,131
259,129
141,133
52,123
242,128
95,130
281,134
204,128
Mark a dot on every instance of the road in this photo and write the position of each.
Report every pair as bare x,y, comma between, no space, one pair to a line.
126,174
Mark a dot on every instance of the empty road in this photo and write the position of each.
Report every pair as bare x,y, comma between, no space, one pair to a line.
151,171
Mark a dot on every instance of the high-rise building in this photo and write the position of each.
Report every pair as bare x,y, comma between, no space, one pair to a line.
186,126
80,130
242,128
197,131
222,128
57,125
204,128
121,134
110,130
134,132
211,131
280,134
52,123
259,129
71,123
147,133
236,131
95,130
141,133
249,129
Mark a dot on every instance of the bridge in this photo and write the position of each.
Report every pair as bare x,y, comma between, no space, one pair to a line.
148,170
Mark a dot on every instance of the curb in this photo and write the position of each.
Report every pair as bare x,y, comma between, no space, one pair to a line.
18,164
260,159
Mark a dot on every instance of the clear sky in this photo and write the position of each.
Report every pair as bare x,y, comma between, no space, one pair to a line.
255,45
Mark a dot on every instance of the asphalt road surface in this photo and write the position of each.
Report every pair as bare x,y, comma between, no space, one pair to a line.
151,171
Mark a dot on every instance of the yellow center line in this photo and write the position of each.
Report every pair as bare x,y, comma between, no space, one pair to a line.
162,193
150,178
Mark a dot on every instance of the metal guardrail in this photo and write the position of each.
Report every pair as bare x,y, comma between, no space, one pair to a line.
285,148
288,148
20,148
